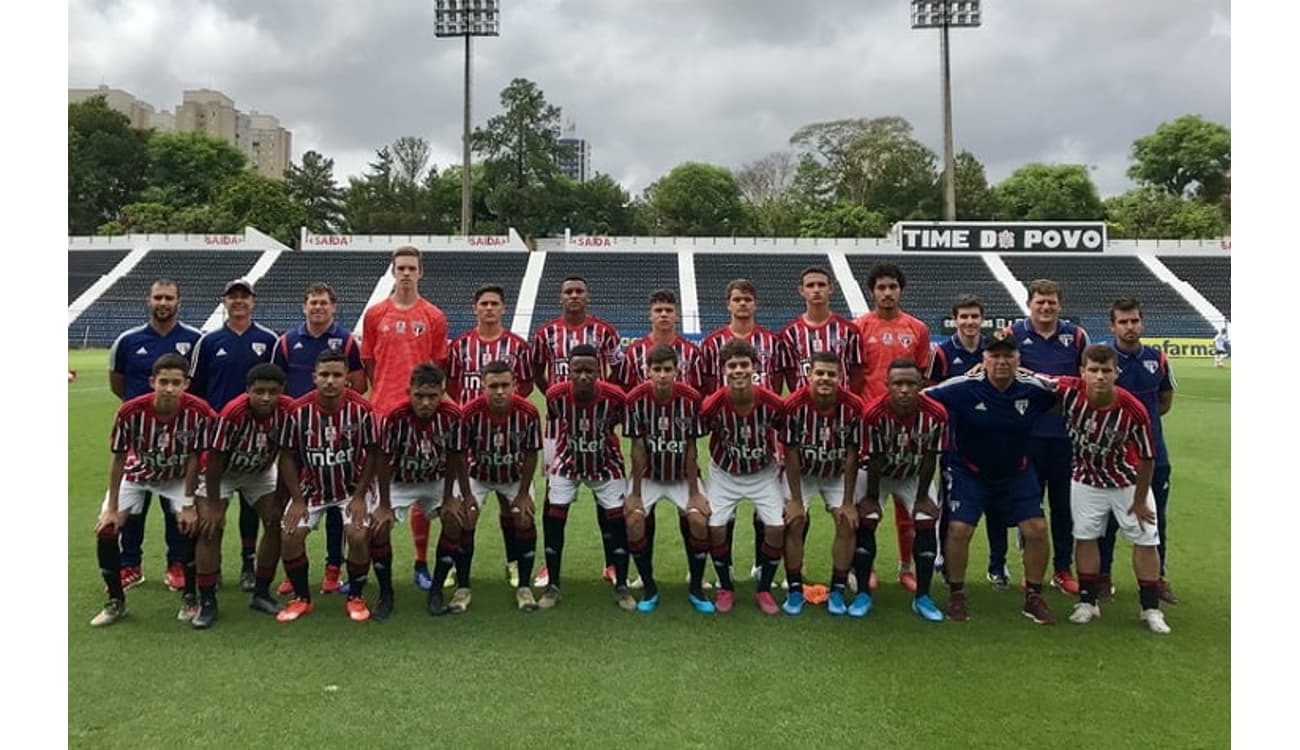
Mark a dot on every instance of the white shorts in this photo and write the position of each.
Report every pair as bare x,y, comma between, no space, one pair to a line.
725,491
251,487
548,455
561,490
1090,506
317,512
903,490
830,488
506,493
678,493
130,495
428,495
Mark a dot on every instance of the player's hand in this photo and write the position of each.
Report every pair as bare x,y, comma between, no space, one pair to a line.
358,513
793,511
1145,513
381,520
523,507
107,520
187,520
632,503
699,504
926,506
869,506
294,515
846,514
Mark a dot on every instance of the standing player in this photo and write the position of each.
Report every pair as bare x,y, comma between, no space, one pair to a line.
130,365
820,330
245,446
663,330
502,437
745,421
156,442
583,412
1222,347
296,351
470,353
991,414
823,422
221,361
422,466
903,432
663,422
396,335
1110,432
552,348
1144,371
332,431
887,334
1051,346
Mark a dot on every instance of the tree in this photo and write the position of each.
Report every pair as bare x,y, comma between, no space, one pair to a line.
108,164
411,158
1150,212
312,186
600,206
1048,192
142,218
974,197
1188,157
767,185
695,199
251,199
843,220
190,169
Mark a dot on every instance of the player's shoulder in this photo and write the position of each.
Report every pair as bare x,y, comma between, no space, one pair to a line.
607,390
683,390
714,401
132,333
305,400
143,402
844,322
799,397
465,338
876,407
352,397
1068,383
769,397
1037,381
1131,403
378,310
265,332
559,390
236,408
642,390
517,402
450,409
912,321
511,336
864,321
932,407
477,405
190,402
850,399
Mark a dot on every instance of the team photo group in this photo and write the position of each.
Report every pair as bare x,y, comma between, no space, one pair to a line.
1034,427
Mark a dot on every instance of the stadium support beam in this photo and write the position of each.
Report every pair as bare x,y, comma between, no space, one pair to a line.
942,15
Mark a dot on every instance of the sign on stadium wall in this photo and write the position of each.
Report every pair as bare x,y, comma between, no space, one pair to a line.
1002,237
1183,347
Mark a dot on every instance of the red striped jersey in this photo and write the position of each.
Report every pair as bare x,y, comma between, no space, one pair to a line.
331,445
636,364
158,448
252,444
1107,442
586,446
667,428
469,354
824,437
838,334
903,443
743,443
417,448
553,340
495,448
773,354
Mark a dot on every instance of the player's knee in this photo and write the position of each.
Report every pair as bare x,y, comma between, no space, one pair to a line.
635,525
960,532
697,526
357,536
1034,530
796,527
108,532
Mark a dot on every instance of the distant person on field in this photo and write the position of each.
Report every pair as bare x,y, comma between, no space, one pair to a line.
1222,347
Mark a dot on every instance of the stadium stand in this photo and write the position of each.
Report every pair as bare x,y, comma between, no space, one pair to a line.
1211,276
85,268
620,286
934,281
352,276
1091,283
775,276
201,278
451,278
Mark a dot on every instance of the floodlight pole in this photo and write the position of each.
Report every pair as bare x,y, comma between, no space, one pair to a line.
467,18
949,161
465,179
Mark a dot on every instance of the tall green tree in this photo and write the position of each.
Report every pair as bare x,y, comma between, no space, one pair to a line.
1187,157
695,199
251,199
974,196
190,169
600,206
312,186
843,220
1048,192
767,185
1151,212
108,164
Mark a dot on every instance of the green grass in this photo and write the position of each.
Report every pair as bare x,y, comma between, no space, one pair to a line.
589,674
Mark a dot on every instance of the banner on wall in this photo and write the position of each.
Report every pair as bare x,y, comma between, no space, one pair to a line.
1002,237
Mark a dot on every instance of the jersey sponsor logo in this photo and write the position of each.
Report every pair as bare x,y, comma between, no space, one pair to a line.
335,343
259,348
1066,339
1151,366
1021,405
887,339
401,326
183,348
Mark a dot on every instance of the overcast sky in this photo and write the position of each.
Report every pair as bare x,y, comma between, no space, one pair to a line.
654,83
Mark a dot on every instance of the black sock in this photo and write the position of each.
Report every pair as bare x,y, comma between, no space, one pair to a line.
722,565
768,558
446,553
464,559
333,536
731,532
357,578
685,529
554,520
262,578
191,588
956,587
249,525
839,580
696,559
1088,586
296,570
643,555
109,553
507,522
925,546
794,577
382,559
525,541
208,586
864,554
1033,589
1149,593
758,540
606,536
617,525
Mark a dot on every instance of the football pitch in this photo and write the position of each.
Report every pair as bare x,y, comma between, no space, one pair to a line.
588,674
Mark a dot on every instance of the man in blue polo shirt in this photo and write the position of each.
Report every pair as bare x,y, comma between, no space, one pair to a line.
992,412
296,352
1051,346
1144,371
218,372
130,364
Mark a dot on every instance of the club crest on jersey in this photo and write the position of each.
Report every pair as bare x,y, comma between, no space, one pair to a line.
1021,405
335,344
1066,339
418,328
259,348
183,348
1151,366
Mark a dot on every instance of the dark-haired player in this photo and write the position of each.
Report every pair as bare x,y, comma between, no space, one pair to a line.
663,330
583,413
823,423
819,329
745,420
502,437
333,432
423,466
156,442
242,458
663,422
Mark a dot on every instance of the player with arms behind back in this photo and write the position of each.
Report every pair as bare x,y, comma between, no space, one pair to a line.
663,330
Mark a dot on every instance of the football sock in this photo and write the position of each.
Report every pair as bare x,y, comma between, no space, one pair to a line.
794,576
650,531
249,524
685,529
447,551
758,540
132,535
617,525
357,577
768,557
333,536
731,531
1149,594
641,554
864,553
839,580
296,570
1088,585
695,561
465,558
722,565
924,549
554,519
903,524
507,522
525,541
110,554
420,533
191,578
1033,589
382,558
956,587
606,535
262,578
208,586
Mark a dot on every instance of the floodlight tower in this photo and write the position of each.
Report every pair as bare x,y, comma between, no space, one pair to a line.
943,14
467,18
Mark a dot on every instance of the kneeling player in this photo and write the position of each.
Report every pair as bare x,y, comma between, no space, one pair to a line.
332,430
422,465
242,458
903,431
823,426
1105,424
745,420
585,411
663,422
156,442
501,435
